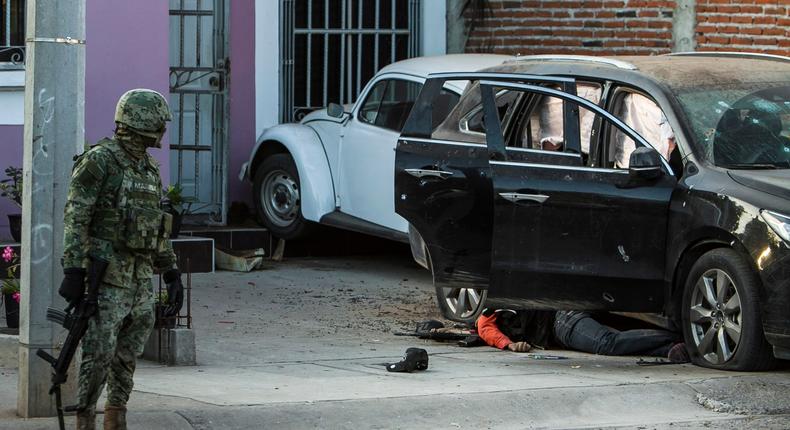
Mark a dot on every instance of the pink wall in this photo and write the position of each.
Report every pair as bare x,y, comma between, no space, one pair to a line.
242,95
127,47
120,57
11,141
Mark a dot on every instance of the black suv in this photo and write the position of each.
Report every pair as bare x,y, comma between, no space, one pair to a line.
636,184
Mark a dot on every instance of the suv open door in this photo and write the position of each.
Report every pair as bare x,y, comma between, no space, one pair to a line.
443,189
568,236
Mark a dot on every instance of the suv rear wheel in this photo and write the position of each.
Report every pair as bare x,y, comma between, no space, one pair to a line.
721,314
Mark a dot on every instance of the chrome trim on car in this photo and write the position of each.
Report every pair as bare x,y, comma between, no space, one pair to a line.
445,142
543,151
754,55
620,64
559,167
517,197
421,173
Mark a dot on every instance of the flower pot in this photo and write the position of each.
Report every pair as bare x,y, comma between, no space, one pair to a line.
11,311
15,225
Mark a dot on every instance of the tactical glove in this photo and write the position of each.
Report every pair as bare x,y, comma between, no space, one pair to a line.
73,285
175,292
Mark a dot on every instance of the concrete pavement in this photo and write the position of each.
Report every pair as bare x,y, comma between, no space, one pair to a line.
303,345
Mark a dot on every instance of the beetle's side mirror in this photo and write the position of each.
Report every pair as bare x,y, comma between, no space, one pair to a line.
335,110
644,164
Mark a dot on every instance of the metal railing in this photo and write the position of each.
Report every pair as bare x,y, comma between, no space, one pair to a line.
12,32
330,49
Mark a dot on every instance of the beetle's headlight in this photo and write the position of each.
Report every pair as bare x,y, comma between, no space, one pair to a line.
779,223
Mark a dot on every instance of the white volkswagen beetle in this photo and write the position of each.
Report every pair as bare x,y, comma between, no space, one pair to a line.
335,167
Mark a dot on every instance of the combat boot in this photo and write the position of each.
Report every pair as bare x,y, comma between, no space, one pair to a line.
114,417
86,419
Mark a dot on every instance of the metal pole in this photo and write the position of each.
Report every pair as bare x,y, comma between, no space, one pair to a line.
54,132
456,27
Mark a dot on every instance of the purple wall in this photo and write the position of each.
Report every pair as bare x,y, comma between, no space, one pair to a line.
128,47
11,141
120,57
242,95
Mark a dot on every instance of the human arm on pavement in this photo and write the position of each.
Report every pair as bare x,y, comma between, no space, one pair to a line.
492,336
490,333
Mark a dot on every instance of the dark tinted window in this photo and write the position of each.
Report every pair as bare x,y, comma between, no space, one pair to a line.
741,125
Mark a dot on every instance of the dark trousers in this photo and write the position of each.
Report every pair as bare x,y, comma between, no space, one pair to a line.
579,331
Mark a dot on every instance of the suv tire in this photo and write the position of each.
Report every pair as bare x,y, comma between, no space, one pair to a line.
277,195
721,314
472,301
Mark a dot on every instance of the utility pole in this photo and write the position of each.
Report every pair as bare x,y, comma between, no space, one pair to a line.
54,132
684,23
456,26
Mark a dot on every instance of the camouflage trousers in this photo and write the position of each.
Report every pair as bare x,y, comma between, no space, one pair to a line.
115,337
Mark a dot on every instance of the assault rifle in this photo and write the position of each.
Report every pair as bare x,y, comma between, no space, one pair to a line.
75,319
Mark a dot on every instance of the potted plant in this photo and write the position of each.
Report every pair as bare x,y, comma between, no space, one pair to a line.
177,205
11,188
10,288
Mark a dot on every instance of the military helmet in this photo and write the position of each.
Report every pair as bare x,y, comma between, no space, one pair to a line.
144,111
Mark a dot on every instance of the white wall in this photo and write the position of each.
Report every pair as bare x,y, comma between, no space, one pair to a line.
12,97
434,27
267,64
267,53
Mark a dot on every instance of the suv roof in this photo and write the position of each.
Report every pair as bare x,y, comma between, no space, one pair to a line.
676,71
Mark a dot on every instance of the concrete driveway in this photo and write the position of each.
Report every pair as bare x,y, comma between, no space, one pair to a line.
303,344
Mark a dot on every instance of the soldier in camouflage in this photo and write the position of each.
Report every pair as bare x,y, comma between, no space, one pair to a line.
113,212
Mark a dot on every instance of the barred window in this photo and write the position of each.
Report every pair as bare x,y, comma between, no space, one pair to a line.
12,31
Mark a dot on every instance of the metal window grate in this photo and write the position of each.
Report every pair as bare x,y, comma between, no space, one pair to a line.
198,98
12,31
331,48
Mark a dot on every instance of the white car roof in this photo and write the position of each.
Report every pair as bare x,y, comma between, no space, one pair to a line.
424,66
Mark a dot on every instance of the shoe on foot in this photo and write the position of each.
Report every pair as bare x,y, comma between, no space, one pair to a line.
114,417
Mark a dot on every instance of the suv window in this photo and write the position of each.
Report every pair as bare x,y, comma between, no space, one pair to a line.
473,121
466,123
741,125
644,116
546,125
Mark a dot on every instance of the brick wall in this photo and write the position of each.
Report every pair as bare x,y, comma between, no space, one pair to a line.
755,25
623,27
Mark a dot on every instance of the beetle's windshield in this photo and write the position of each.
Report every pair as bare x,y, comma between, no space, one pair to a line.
741,126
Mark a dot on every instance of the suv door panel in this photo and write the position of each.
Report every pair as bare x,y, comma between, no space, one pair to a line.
453,213
584,238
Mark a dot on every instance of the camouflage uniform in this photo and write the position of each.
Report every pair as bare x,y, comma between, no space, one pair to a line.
113,213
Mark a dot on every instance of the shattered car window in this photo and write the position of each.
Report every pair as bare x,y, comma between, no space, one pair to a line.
741,126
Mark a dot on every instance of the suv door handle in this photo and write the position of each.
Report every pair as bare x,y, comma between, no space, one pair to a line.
421,173
518,197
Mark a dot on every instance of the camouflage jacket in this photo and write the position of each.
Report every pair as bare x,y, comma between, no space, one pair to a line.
113,213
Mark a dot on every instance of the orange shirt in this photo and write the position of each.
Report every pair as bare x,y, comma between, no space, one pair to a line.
490,333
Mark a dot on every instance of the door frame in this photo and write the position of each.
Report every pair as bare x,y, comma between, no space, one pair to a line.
220,105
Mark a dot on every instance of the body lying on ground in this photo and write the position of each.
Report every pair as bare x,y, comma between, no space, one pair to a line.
519,331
